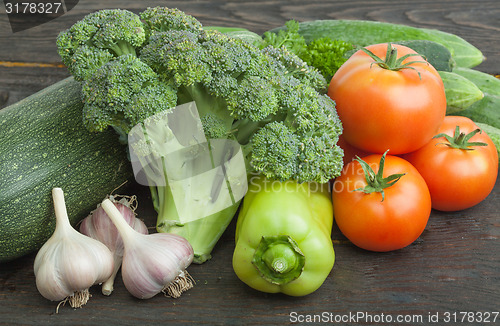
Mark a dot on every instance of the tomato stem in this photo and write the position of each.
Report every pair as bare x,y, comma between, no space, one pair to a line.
391,60
376,182
460,140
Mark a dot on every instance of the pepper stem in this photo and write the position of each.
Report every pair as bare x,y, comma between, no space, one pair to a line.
376,182
278,259
460,140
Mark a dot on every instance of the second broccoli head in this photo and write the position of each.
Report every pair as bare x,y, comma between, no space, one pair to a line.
269,100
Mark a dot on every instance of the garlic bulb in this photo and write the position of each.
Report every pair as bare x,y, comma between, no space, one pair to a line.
100,227
69,263
152,263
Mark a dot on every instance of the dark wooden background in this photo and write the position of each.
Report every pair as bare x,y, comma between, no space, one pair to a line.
453,267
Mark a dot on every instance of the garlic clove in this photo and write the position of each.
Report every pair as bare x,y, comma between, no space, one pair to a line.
152,263
100,227
146,275
69,262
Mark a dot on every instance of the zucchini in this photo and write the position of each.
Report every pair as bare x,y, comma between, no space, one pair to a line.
364,33
43,144
461,93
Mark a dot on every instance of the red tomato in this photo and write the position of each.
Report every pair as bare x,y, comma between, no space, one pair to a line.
457,178
383,109
350,152
375,224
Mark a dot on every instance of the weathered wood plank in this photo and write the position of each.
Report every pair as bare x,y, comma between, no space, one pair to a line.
476,21
19,82
451,267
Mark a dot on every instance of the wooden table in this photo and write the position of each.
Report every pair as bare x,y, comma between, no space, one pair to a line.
452,268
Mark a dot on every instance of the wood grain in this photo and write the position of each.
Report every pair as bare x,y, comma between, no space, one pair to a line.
476,21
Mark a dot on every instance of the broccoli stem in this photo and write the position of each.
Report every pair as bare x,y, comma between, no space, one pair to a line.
244,129
123,48
202,233
205,103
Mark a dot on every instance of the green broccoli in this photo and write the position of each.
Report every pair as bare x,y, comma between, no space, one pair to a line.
98,38
122,93
268,100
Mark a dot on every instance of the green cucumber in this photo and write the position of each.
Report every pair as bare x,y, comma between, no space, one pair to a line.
461,93
436,54
43,144
493,133
487,83
364,33
224,29
486,111
250,37
236,32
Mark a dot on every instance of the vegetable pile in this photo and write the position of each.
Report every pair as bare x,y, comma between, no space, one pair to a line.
365,124
270,101
392,100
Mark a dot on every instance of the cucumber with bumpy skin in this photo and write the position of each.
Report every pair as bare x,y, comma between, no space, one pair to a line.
43,144
460,92
493,132
486,111
436,54
487,83
364,33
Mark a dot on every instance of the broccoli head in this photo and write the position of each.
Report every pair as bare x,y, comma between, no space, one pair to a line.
98,38
269,100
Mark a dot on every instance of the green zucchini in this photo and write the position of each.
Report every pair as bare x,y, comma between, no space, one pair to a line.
461,93
43,144
364,33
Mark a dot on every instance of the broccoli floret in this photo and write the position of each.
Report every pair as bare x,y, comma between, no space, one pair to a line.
98,38
162,19
122,93
289,64
276,146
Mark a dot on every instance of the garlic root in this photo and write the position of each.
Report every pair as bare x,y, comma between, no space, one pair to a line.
181,284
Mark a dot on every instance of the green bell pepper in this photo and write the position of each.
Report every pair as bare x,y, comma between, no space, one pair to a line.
283,237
